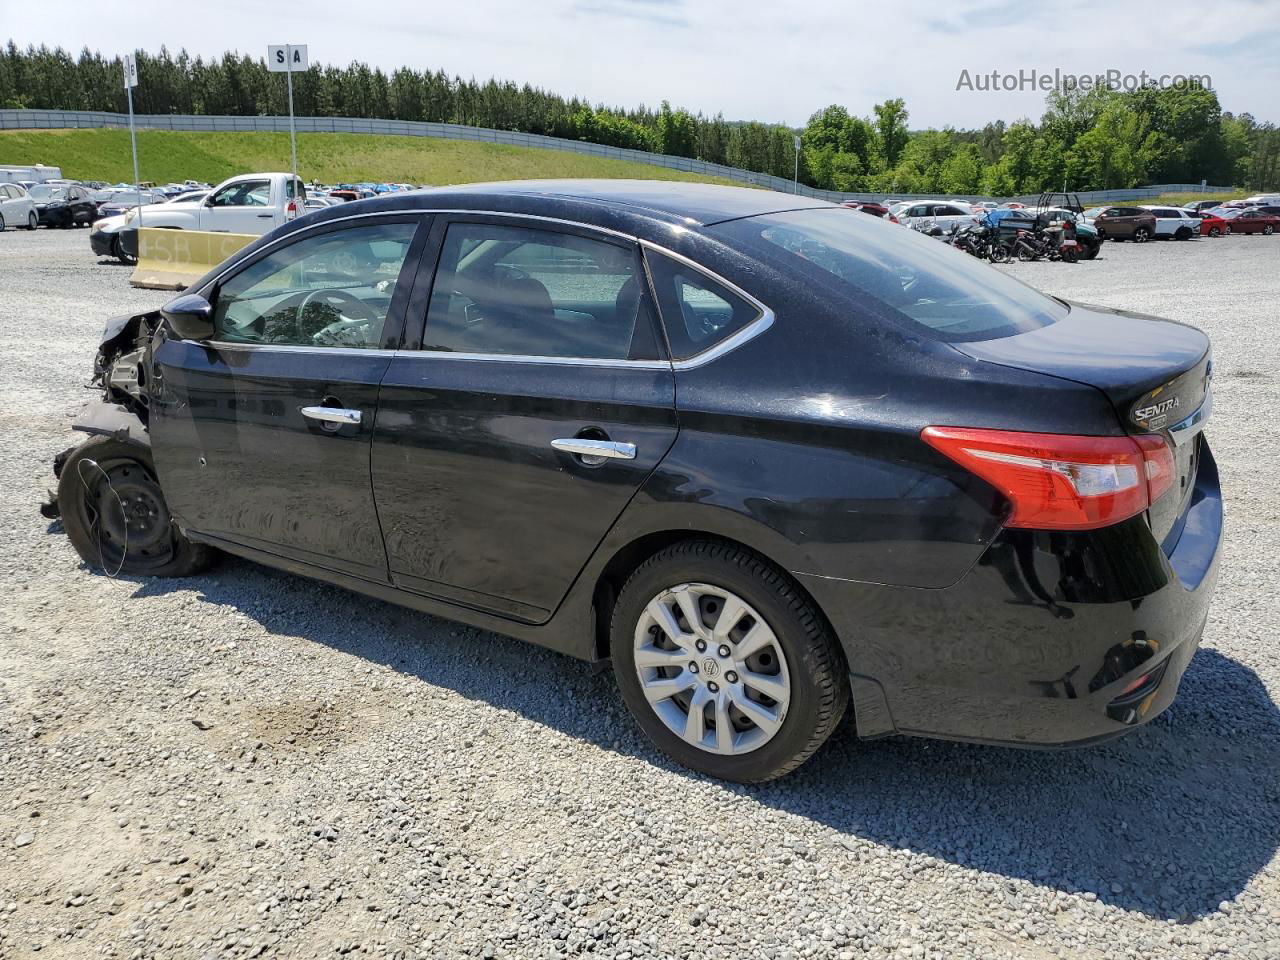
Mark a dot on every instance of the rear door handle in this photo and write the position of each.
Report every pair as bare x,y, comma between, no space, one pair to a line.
265,216
336,415
597,448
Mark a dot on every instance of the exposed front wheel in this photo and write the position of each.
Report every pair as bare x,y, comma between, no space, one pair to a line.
118,251
115,514
1215,232
725,665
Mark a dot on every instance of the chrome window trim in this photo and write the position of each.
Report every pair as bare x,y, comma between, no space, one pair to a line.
762,322
752,330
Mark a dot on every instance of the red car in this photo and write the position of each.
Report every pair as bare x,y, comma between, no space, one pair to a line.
1212,225
871,207
1252,221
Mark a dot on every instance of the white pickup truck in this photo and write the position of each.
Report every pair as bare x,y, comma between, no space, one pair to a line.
253,203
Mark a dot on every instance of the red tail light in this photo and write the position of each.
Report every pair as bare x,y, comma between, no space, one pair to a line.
292,210
1060,482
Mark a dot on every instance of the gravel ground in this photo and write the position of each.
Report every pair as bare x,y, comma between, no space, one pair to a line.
252,764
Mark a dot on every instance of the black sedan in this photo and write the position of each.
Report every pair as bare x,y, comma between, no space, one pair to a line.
63,205
768,459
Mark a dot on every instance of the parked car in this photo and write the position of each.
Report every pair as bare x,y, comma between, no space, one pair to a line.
937,212
17,209
1174,223
1212,225
658,393
62,205
115,236
253,204
111,203
1251,221
1198,206
871,207
1122,223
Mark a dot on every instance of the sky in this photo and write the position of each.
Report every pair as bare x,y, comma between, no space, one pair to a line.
749,60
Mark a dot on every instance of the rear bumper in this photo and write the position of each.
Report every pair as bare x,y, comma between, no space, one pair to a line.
1050,640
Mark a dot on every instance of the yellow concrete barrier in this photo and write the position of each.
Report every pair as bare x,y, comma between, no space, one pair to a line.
174,259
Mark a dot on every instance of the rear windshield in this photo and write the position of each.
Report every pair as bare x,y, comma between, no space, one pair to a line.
924,283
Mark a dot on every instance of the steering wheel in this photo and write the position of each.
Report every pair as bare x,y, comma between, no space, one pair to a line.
338,300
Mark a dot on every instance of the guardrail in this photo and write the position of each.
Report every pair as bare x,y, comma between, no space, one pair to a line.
92,119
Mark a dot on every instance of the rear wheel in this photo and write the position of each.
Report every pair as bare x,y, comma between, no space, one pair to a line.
724,664
1090,251
1184,233
1268,230
1,223
1141,235
115,514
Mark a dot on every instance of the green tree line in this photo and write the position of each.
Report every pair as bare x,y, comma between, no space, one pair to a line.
1093,140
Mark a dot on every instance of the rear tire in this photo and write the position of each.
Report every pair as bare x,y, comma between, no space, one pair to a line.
1268,230
1184,233
1091,251
786,649
1141,235
1,223
32,220
115,515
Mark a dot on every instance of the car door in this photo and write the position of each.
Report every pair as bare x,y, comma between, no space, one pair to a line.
261,434
244,206
534,405
1117,223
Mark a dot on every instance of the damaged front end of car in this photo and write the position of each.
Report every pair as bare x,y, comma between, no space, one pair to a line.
119,375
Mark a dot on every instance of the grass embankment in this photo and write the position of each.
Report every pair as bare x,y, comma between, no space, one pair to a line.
165,156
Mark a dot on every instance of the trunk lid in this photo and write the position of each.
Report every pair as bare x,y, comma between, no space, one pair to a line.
1155,373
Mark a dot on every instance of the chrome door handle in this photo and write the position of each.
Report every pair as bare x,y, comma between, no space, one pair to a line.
332,414
597,448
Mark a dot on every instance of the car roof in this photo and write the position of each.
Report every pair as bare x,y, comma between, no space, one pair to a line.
616,204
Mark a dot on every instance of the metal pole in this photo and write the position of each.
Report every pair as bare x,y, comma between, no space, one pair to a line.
796,184
133,140
293,137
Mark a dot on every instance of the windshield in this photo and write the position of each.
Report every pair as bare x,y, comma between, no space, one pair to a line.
42,191
924,283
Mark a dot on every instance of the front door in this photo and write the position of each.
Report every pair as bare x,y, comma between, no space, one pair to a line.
535,406
241,207
261,435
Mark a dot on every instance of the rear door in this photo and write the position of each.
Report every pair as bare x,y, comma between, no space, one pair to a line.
535,404
261,435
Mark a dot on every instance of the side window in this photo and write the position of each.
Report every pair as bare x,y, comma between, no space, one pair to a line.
330,290
245,193
520,291
697,312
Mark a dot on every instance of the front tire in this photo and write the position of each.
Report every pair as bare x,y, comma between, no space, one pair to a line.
115,515
724,664
1215,232
118,251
